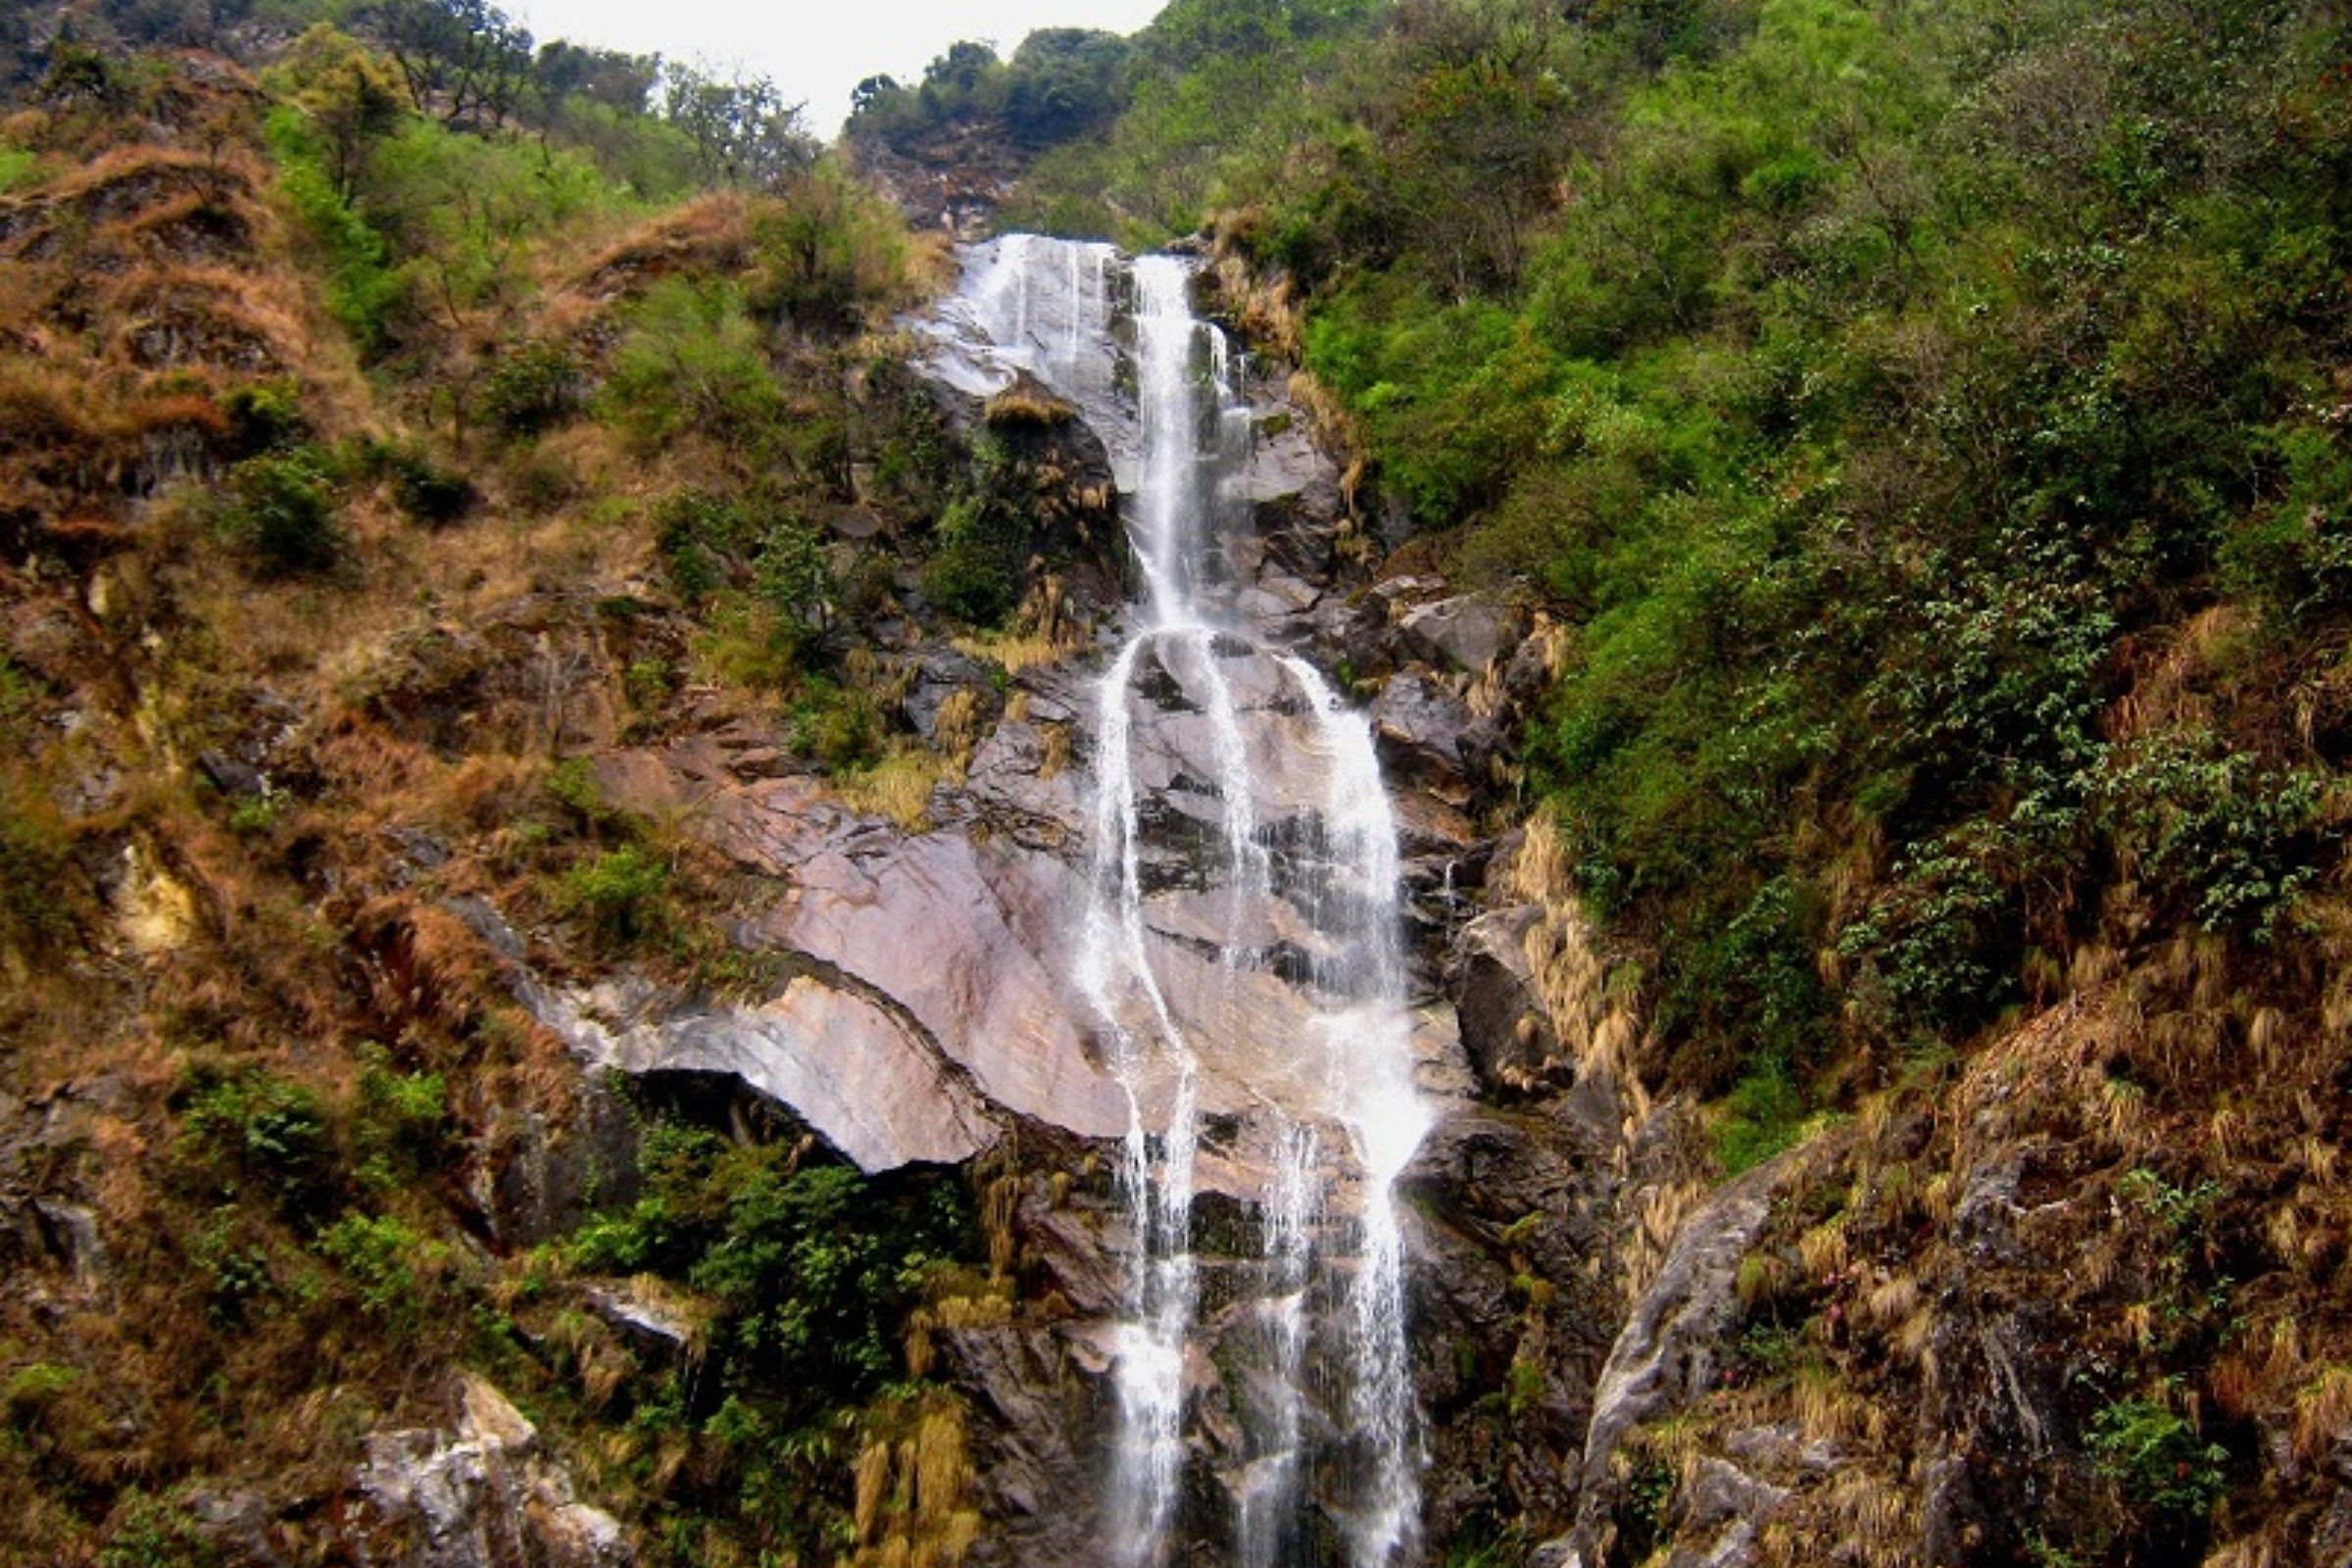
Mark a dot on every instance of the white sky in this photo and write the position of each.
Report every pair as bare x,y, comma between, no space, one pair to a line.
817,50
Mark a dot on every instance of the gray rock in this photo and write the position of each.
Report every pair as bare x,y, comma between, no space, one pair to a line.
237,780
1468,631
859,1072
646,1320
1667,1353
1421,730
478,1495
1723,1507
1505,1027
936,674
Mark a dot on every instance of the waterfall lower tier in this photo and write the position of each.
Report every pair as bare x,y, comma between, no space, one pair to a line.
1241,950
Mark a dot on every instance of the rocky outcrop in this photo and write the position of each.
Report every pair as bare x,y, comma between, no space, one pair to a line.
867,1078
1668,1354
477,1494
1506,1030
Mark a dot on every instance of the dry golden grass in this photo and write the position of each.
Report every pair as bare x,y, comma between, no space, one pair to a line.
899,787
1010,651
2322,1412
704,238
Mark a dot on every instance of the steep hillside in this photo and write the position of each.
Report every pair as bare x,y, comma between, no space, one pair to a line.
365,479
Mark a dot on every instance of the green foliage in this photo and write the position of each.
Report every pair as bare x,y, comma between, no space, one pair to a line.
829,253
2235,841
533,387
150,1532
692,360
425,490
1763,1115
742,130
393,1267
19,168
1060,84
2181,1210
974,572
621,899
236,1266
2155,1457
710,541
811,1265
360,283
1872,388
265,417
28,1389
246,1124
1220,98
837,725
282,513
401,1124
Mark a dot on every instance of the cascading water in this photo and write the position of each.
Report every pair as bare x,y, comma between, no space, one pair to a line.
1301,873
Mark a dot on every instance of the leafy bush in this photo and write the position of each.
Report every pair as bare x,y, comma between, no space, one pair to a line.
533,387
2154,1456
393,1267
622,897
838,726
692,360
427,492
979,547
401,1124
149,1532
265,417
19,167
2229,841
247,1123
283,513
814,1265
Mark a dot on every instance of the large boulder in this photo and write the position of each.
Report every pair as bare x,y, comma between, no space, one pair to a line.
1468,631
478,1493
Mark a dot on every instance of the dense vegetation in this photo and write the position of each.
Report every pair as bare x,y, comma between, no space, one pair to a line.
1881,392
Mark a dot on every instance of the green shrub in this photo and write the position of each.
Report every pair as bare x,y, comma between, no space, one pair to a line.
233,1264
979,548
401,1124
426,491
2155,1458
699,534
622,897
283,513
1762,1116
265,417
19,167
150,1532
2223,839
692,360
533,387
247,1123
837,725
391,1267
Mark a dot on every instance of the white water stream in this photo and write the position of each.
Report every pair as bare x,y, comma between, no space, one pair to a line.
1329,1433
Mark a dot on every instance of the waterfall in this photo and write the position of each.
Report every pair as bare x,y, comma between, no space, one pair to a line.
1269,841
